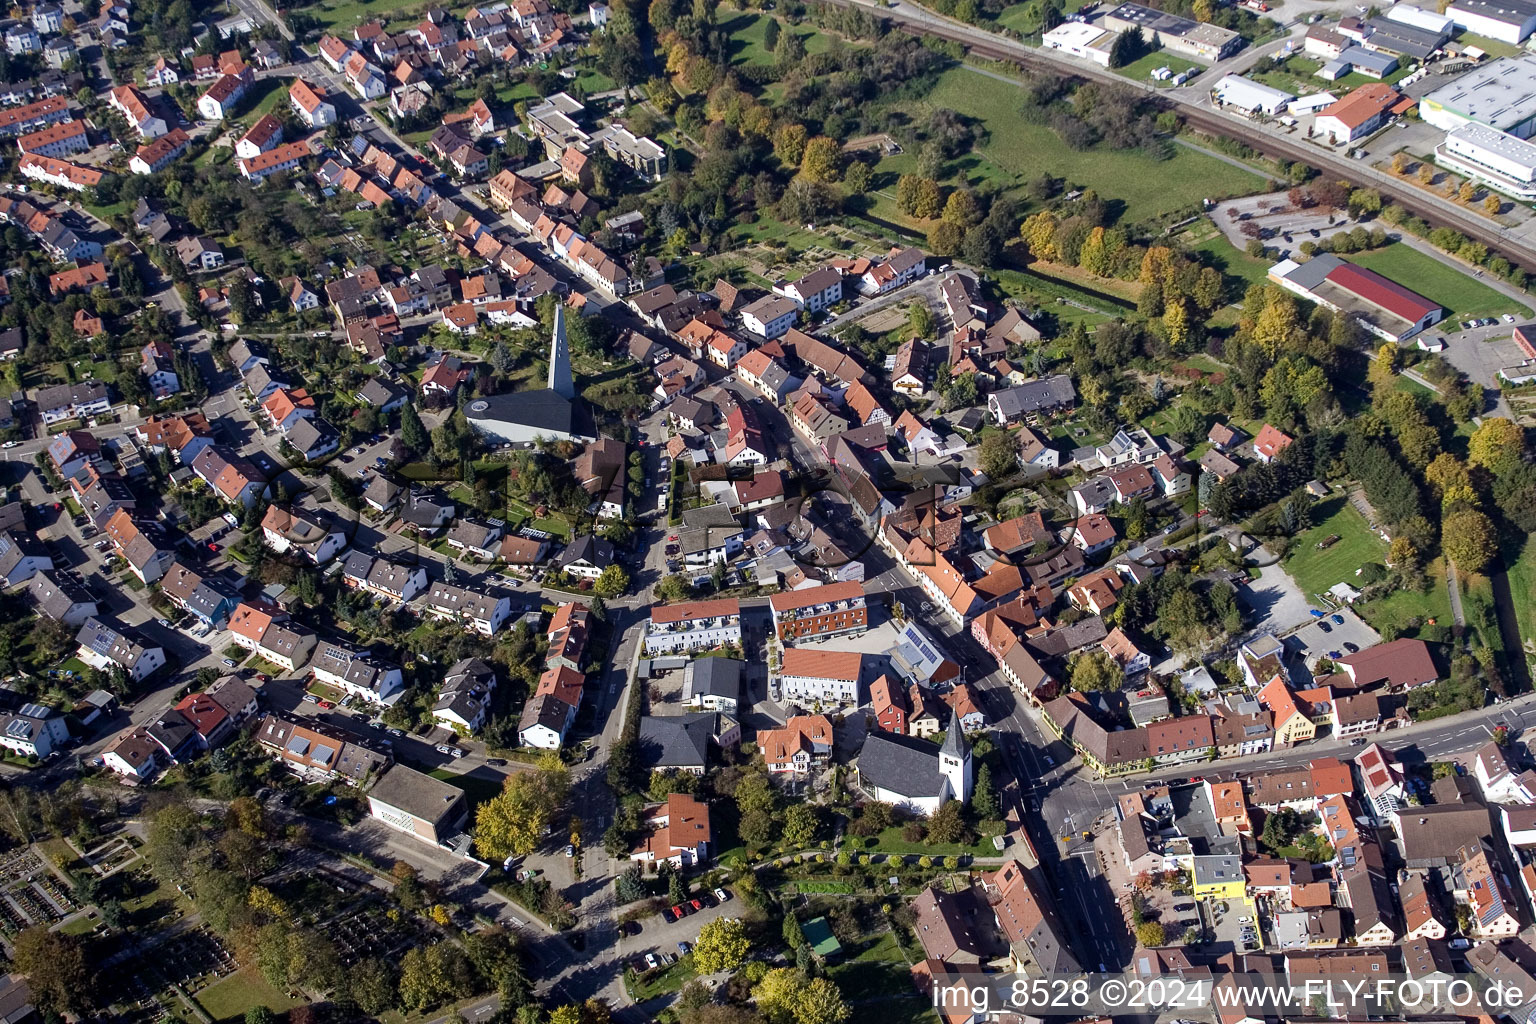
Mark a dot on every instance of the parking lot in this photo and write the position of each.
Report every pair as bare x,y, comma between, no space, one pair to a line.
657,935
1335,635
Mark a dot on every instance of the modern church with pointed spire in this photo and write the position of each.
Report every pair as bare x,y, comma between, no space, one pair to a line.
554,413
560,381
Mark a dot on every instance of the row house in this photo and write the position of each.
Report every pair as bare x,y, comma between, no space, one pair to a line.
464,699
282,158
692,626
58,140
141,545
309,533
112,649
477,608
830,677
357,671
231,476
383,577
134,106
72,401
826,610
31,117
158,154
207,598
59,172
319,752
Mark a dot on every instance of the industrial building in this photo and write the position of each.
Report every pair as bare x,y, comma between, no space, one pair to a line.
1497,159
1383,307
1080,39
1508,21
1500,95
1418,17
1361,112
1389,35
1248,95
1371,63
1178,35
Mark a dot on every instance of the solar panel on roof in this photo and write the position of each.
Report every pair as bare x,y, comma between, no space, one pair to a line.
298,746
36,710
18,728
323,754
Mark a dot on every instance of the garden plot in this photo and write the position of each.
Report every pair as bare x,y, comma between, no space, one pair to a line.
31,894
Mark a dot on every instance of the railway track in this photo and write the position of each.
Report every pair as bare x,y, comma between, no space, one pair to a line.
1426,207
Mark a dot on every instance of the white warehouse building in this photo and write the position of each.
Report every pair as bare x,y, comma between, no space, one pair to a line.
1418,17
1508,21
1245,94
1497,159
1080,39
1500,94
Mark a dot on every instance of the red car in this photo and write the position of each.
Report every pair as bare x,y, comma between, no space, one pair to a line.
263,677
327,705
678,911
213,547
696,905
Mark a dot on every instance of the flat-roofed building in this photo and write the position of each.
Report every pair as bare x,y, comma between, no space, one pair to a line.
1497,159
419,805
1500,94
1080,39
1246,94
1182,36
1508,21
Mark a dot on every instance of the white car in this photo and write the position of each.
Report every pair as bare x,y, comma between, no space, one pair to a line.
10,444
1509,318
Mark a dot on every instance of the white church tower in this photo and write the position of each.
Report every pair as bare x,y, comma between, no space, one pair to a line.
560,381
955,761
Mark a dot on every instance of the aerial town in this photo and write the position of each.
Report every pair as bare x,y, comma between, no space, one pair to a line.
766,512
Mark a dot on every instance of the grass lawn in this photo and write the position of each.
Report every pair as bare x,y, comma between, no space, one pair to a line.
268,94
1316,569
1493,47
1231,260
230,998
1522,587
1396,609
1461,294
661,982
1140,70
325,691
109,211
477,789
1299,75
890,841
1016,153
747,30
877,984
344,15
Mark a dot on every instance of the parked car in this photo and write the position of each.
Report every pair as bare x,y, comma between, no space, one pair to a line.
495,762
310,698
229,663
651,962
326,705
684,948
722,895
443,748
